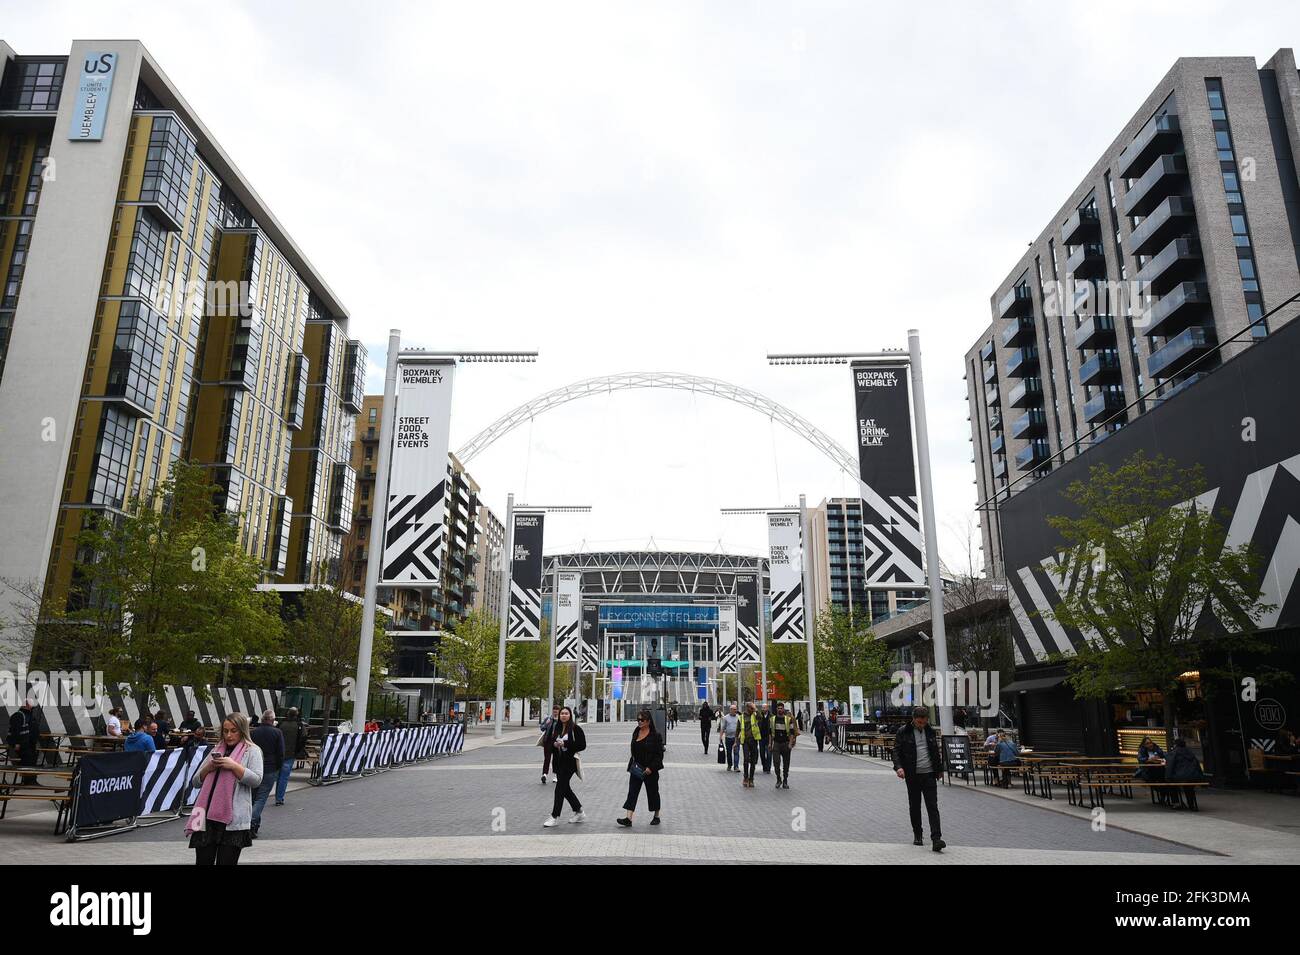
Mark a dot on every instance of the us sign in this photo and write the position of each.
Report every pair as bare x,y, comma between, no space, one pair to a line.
93,92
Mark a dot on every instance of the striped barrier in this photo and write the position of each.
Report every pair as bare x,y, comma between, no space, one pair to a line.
163,787
348,755
69,720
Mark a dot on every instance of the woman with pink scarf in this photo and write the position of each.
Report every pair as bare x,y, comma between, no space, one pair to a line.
219,827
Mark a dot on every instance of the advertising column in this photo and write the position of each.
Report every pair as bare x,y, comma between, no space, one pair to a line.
785,553
525,615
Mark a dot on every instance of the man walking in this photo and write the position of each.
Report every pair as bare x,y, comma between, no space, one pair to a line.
819,728
706,724
785,729
765,737
23,738
294,731
270,741
727,736
748,738
918,762
548,745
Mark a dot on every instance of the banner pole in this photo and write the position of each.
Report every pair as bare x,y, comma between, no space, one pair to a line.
762,637
809,622
375,550
550,663
938,631
506,566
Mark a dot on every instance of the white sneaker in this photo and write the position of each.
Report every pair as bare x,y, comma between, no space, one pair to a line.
554,778
543,779
551,821
578,816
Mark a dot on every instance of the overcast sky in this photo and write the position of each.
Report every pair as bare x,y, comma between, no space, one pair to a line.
668,187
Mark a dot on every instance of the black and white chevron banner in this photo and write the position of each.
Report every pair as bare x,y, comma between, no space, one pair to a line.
590,638
749,616
70,711
891,522
524,621
568,608
415,512
785,563
727,638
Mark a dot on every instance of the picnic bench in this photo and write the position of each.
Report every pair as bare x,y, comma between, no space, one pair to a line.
14,785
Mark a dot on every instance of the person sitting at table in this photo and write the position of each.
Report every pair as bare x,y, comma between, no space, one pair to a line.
1285,745
1007,754
190,723
164,723
141,741
991,741
1151,761
1183,767
193,741
160,740
113,723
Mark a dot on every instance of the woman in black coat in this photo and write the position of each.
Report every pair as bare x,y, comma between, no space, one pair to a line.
643,768
568,741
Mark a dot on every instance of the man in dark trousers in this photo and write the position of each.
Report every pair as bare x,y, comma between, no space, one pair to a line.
765,738
819,727
918,761
270,741
706,723
23,737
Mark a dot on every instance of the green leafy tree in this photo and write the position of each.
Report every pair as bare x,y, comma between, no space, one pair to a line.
1155,589
163,593
847,653
468,656
790,662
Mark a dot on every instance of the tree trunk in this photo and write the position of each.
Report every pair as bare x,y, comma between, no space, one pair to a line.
1169,718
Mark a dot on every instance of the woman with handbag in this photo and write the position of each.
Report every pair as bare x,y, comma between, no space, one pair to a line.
568,740
643,768
220,825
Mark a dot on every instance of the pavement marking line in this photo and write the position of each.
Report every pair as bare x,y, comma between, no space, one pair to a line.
794,772
622,845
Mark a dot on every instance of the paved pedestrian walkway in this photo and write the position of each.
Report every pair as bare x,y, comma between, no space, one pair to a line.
488,805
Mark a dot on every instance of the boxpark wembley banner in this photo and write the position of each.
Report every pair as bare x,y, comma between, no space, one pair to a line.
891,521
727,638
785,560
1237,425
113,788
524,621
568,602
749,618
590,637
414,532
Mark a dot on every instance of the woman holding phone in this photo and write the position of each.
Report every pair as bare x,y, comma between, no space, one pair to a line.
568,740
219,826
643,768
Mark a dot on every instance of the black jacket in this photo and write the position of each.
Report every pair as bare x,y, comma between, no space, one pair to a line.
577,743
706,714
1183,766
295,738
649,752
270,741
905,750
764,725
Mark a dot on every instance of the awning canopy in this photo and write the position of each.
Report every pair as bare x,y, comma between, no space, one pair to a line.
1042,683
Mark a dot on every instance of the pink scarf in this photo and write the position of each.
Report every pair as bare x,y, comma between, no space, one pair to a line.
217,794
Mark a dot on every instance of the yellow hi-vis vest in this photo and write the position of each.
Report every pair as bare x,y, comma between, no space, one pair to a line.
749,728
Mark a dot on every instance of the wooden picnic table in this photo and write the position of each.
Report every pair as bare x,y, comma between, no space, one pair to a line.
18,788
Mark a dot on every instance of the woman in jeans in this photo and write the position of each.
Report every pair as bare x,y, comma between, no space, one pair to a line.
568,740
219,827
643,768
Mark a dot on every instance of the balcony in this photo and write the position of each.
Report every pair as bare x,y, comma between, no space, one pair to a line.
1166,177
1000,468
1022,362
1028,393
1178,308
1087,261
1096,332
1179,260
1018,301
1083,226
986,353
1101,368
1161,135
1031,424
1180,351
998,445
1181,386
1172,218
992,396
995,420
1033,454
1019,331
1103,405
990,373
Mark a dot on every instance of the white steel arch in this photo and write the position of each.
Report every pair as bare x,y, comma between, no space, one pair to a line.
628,381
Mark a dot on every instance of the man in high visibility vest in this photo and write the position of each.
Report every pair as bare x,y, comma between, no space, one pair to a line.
785,730
747,738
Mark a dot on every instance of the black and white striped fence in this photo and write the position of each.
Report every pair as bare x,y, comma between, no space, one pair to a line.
166,787
355,754
67,719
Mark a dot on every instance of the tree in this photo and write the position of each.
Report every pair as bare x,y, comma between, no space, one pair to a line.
846,653
468,656
322,641
1151,583
163,591
790,661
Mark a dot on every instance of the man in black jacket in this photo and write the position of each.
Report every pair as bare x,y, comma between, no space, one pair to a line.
765,738
270,740
706,723
918,761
